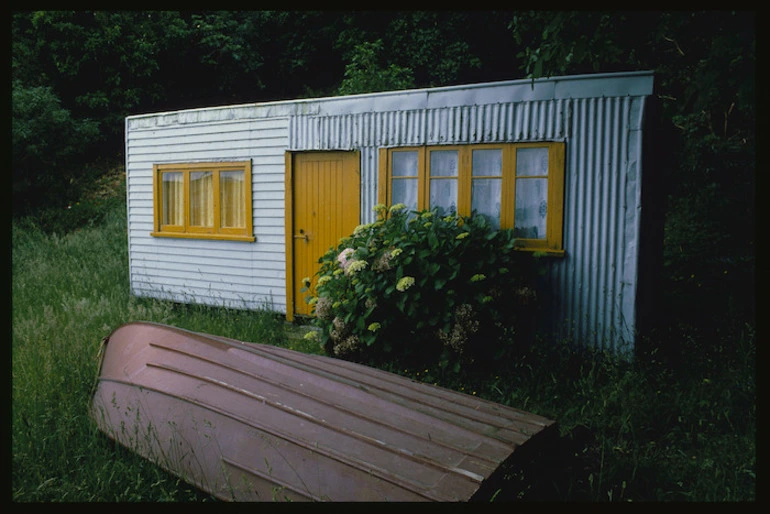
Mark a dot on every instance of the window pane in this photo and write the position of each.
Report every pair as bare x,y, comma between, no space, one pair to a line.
443,163
485,199
443,194
531,208
487,163
202,199
405,191
231,199
404,164
172,188
532,162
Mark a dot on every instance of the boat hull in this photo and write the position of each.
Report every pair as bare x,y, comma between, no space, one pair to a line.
252,422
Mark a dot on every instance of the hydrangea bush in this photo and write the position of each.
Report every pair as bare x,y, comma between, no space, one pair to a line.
424,287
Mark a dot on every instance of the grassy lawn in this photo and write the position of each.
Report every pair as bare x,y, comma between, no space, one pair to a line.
647,430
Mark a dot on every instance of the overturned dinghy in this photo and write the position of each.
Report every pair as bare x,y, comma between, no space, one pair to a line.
252,422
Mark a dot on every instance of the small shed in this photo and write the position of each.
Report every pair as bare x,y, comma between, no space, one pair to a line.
233,205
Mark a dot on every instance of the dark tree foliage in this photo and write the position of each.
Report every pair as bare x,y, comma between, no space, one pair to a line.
395,50
45,137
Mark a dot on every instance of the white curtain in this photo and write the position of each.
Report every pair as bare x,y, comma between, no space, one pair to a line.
231,202
173,198
202,199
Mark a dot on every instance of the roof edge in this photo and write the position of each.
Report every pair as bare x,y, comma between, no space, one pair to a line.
563,88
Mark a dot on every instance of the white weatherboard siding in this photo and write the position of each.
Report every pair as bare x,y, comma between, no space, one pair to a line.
230,273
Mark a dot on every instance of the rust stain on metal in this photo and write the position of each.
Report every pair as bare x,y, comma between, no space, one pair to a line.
252,422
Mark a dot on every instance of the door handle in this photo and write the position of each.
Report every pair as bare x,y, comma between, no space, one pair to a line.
302,235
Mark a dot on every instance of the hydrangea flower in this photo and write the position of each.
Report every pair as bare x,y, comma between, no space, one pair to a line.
323,308
397,207
395,253
462,235
343,257
405,283
355,266
361,228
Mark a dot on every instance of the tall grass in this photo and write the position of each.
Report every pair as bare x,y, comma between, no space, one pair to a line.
646,430
70,291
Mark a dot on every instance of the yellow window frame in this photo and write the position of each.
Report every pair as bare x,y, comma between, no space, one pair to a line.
551,243
186,229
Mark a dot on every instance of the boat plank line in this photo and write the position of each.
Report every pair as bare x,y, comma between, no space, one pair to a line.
400,396
322,422
388,397
508,445
268,478
300,361
509,413
326,452
303,362
490,417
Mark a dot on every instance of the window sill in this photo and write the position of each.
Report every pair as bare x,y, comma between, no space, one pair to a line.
545,252
213,237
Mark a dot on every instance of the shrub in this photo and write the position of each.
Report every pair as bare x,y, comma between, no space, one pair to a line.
48,147
424,288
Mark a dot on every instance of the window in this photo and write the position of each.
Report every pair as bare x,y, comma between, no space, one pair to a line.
203,200
515,186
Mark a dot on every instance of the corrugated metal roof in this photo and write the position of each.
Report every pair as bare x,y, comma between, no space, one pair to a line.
632,83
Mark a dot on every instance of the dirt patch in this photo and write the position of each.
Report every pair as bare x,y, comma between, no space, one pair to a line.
109,185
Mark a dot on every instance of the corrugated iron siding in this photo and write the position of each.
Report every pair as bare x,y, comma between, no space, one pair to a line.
368,131
594,286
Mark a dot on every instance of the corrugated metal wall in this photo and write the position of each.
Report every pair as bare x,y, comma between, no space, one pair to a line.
369,131
594,286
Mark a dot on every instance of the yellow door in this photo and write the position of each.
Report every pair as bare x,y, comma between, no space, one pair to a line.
324,191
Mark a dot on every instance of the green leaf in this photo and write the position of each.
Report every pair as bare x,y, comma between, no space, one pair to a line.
538,69
433,240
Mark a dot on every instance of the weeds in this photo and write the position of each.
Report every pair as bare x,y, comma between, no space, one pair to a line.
69,292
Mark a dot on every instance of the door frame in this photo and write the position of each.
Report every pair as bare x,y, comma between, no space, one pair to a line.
289,219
